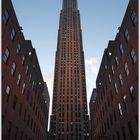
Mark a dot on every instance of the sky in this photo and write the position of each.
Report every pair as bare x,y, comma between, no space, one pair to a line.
100,20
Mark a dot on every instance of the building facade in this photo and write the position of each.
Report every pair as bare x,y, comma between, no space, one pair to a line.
116,105
24,108
92,113
69,119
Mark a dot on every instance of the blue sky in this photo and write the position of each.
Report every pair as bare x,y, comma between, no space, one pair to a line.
100,20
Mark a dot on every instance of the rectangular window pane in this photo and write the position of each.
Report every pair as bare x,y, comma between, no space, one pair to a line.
134,18
127,35
5,16
13,34
130,129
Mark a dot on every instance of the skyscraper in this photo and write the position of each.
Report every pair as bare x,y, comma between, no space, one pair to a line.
69,119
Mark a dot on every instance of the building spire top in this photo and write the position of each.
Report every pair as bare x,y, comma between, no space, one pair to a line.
70,4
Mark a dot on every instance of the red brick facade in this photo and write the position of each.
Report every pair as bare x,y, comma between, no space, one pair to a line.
116,106
24,108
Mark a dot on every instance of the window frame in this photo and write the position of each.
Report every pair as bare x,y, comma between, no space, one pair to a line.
134,18
6,55
5,16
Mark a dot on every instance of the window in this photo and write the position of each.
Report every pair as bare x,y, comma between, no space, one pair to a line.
115,117
13,69
109,78
125,102
127,35
18,48
120,79
27,68
14,102
21,135
121,49
117,60
33,84
134,18
5,16
123,133
133,56
120,109
20,109
18,80
13,34
130,129
23,88
113,69
116,87
9,130
30,78
8,89
126,69
6,55
131,91
16,133
23,60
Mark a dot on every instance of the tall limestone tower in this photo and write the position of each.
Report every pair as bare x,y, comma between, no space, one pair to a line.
69,119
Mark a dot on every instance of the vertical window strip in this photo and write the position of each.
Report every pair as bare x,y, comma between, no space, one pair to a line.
13,34
133,55
127,35
6,55
5,16
134,18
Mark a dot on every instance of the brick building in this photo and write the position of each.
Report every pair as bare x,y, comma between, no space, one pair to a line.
92,112
24,108
116,105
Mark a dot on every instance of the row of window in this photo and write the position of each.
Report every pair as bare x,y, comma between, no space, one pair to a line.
17,134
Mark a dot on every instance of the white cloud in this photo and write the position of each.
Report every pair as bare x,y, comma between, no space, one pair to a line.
93,64
48,78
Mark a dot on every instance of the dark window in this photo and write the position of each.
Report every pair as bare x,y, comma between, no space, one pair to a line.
25,115
28,120
120,80
133,56
21,135
13,69
16,133
112,69
125,102
126,68
130,129
6,55
123,133
18,48
115,117
14,102
121,49
118,135
18,80
127,35
27,68
13,34
117,60
120,109
134,18
23,88
20,109
116,87
114,137
23,60
5,16
131,91
8,89
9,130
